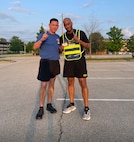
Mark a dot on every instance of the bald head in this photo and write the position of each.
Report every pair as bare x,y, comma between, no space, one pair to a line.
67,19
68,24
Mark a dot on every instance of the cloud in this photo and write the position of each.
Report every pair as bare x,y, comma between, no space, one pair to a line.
4,16
111,21
25,35
18,8
126,32
86,5
71,16
16,3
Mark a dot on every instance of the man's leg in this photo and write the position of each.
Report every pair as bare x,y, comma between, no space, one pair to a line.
42,95
84,88
71,89
49,107
51,89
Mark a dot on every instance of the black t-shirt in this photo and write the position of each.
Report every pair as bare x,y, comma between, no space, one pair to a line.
83,37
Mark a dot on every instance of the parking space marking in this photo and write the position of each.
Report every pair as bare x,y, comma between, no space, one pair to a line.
102,70
113,78
100,100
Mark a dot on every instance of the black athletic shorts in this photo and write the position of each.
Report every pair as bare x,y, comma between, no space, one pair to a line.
76,68
48,69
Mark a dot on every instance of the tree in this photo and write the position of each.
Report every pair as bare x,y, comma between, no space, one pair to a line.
3,40
29,46
115,37
36,52
16,44
91,27
97,42
130,44
40,30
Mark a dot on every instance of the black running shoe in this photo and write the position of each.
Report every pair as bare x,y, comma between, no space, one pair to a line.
51,109
40,113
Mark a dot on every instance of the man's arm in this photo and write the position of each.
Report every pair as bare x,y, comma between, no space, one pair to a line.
82,42
38,43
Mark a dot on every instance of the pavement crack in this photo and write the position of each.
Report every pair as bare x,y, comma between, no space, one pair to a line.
60,120
64,88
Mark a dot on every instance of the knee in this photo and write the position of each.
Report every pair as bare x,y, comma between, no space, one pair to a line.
43,85
83,84
70,82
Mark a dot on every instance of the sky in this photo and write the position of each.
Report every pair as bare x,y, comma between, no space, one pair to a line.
23,18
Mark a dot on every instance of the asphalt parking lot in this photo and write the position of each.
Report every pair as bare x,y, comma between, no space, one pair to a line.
111,100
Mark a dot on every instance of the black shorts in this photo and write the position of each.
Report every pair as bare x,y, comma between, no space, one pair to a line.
76,68
48,69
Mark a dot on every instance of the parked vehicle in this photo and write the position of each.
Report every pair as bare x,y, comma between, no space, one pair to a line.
133,54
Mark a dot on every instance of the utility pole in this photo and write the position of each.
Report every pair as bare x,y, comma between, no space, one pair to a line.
24,48
90,49
62,23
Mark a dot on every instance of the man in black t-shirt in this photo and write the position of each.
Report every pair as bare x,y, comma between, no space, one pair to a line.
73,42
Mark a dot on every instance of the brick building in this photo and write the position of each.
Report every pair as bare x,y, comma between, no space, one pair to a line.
4,47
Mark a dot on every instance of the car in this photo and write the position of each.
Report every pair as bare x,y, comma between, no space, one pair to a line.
133,54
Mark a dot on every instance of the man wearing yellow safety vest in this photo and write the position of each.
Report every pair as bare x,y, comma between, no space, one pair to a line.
73,43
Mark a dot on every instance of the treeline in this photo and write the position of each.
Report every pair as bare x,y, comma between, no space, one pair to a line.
114,43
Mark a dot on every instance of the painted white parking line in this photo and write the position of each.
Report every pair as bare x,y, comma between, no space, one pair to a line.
123,78
126,70
100,100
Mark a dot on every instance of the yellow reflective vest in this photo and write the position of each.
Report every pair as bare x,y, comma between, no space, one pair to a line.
72,50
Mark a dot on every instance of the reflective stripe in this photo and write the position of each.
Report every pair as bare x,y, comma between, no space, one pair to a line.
72,51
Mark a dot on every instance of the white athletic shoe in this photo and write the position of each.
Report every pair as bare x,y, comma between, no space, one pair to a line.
87,115
69,108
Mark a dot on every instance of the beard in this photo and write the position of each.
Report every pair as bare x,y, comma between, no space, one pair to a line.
70,31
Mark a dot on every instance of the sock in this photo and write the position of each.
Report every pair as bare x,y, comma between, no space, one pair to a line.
86,108
72,104
41,107
49,104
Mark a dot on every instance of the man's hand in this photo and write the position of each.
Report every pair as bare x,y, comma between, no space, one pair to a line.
61,48
75,38
39,42
44,36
